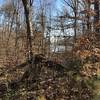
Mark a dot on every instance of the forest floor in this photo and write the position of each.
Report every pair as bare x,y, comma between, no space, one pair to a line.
51,84
97,88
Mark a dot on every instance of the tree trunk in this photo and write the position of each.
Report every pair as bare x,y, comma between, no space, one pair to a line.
28,16
96,17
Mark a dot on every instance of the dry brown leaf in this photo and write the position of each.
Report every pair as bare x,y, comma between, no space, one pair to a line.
42,97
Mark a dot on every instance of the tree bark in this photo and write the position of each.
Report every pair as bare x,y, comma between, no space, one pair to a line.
96,17
28,15
29,27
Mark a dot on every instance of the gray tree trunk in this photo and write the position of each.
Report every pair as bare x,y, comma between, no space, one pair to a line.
28,15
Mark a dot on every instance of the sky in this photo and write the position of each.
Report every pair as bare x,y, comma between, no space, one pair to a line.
58,3
1,1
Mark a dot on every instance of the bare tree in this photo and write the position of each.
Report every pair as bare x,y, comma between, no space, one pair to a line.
27,9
